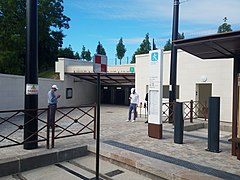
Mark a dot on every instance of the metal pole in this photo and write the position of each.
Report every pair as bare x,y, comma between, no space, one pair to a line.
98,124
236,70
31,76
173,68
213,124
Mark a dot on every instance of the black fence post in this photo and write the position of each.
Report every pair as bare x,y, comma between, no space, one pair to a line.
178,123
213,124
191,111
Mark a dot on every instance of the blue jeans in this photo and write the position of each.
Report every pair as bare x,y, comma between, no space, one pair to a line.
134,108
52,110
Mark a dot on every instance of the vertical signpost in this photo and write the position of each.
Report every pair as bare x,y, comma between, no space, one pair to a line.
155,94
99,66
31,77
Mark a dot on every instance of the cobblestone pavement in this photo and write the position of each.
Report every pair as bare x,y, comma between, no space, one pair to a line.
128,142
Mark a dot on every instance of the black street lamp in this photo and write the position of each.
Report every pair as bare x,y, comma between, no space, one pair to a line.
173,68
31,77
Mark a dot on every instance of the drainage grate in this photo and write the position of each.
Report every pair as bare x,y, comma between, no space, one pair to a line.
172,160
114,173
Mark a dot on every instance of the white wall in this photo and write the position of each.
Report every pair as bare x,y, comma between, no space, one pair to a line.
190,69
12,92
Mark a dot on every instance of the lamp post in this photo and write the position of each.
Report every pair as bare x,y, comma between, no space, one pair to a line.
173,68
31,77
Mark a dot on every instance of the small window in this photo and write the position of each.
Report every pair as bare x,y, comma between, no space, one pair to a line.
69,93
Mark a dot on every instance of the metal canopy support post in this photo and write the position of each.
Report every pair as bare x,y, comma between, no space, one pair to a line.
173,68
236,71
31,76
98,124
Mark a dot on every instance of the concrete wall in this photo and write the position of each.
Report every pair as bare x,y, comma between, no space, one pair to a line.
12,92
190,71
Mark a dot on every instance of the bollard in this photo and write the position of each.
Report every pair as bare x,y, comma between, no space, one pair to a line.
213,124
178,123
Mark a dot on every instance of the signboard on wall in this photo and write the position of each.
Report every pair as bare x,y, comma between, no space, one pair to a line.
155,92
32,89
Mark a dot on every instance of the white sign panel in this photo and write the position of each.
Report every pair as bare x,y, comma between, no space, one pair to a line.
32,89
155,87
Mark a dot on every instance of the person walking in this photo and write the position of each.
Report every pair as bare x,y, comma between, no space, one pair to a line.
134,101
52,103
146,99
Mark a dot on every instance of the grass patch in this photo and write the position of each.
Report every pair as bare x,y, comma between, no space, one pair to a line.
49,74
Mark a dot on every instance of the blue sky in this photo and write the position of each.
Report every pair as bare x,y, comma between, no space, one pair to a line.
109,20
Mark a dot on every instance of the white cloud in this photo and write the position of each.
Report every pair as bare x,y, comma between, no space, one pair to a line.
210,12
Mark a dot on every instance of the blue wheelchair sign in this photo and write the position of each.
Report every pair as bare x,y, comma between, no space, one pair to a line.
154,56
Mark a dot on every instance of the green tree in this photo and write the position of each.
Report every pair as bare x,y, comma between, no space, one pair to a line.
168,45
88,55
12,36
144,48
66,52
83,53
224,27
100,49
51,21
76,55
120,50
154,45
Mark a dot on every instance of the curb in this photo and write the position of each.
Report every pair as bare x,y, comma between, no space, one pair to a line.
19,164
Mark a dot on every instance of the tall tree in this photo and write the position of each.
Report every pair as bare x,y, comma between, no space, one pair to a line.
51,21
12,36
76,55
120,50
88,55
168,45
83,53
100,49
144,48
225,27
66,52
154,45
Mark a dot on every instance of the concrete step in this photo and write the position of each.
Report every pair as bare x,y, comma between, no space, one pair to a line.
45,157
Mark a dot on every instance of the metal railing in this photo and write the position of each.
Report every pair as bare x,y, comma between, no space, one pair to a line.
72,121
191,110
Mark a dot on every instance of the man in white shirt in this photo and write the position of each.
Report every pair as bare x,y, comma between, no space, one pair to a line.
134,101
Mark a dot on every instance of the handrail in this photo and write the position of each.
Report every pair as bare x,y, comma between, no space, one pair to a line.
12,124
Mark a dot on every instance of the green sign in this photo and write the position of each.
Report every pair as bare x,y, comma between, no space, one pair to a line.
131,69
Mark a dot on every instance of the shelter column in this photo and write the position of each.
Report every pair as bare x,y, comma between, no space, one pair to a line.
235,111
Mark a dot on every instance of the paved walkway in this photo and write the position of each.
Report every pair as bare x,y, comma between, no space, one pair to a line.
128,143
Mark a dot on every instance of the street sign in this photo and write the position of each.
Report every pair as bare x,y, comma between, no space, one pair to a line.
155,92
32,89
100,63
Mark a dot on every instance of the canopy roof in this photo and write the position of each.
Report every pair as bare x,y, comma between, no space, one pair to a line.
108,78
221,45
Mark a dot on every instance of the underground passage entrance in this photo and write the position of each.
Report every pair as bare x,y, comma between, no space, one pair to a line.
115,94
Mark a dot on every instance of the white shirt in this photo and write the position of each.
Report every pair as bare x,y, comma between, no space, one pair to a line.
134,98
